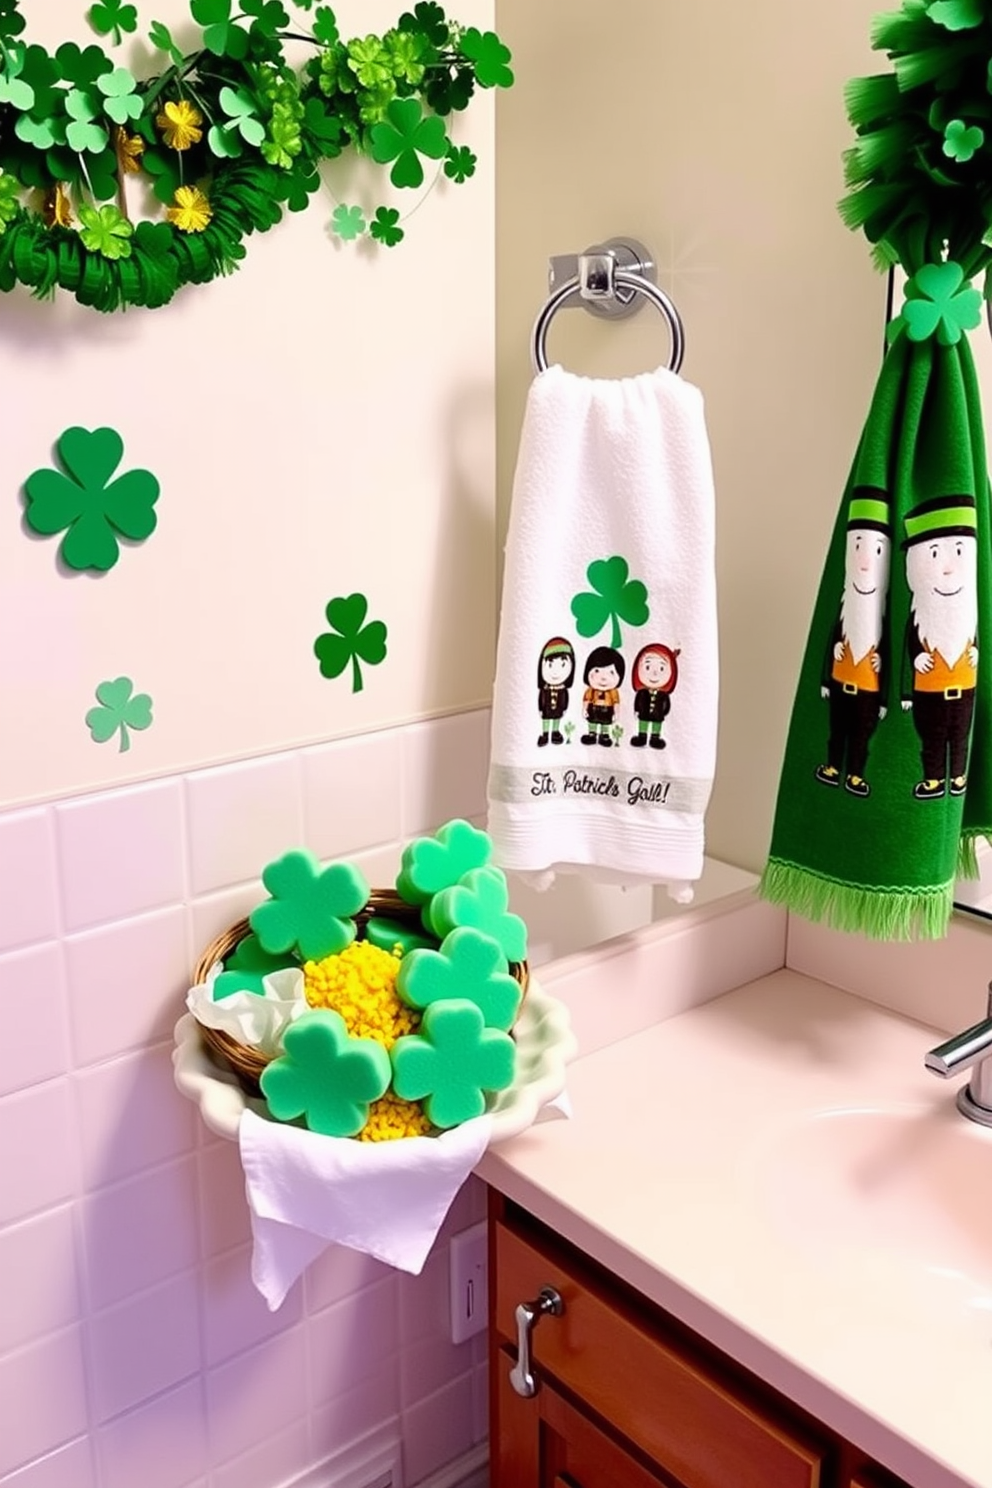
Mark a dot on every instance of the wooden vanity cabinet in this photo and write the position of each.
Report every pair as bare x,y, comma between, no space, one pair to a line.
627,1397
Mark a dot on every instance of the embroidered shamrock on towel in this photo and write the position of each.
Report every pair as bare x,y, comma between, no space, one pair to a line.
615,596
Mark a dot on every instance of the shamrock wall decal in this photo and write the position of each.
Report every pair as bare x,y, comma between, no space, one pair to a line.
121,708
85,502
112,17
354,640
616,597
403,136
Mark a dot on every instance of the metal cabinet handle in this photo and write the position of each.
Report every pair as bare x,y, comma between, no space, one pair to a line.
528,1314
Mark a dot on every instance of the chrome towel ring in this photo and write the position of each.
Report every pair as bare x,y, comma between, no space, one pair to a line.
607,280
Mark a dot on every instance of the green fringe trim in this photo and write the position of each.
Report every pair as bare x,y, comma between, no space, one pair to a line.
880,914
968,850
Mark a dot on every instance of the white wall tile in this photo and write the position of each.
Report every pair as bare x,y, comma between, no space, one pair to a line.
352,793
45,1170
28,888
40,1288
35,1042
120,853
240,818
127,983
445,767
43,1390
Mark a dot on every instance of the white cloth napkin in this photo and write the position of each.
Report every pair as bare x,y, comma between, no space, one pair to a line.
387,1199
608,470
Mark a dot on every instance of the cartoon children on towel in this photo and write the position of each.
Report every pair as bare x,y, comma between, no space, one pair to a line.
654,678
604,671
555,675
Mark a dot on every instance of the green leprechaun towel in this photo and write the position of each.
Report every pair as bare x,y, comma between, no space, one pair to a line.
887,777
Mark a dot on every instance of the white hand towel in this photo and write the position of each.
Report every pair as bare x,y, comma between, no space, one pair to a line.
605,700
387,1199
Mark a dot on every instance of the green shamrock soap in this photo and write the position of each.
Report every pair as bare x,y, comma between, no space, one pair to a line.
480,900
246,967
469,965
325,1075
310,912
452,1062
434,863
388,934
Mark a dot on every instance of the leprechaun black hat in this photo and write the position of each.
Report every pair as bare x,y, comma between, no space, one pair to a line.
941,516
869,508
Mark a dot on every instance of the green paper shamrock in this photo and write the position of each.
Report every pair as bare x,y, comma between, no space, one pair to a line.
41,133
221,35
161,38
246,968
480,900
12,23
285,140
452,1062
242,123
354,640
961,142
431,864
40,73
121,101
86,501
490,57
10,189
468,964
83,134
105,230
113,16
384,227
369,62
617,598
460,163
428,19
449,90
956,15
13,89
81,66
267,15
325,26
348,223
937,305
403,136
121,708
325,1075
311,908
297,187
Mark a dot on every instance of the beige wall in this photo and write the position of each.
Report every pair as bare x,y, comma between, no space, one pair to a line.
714,134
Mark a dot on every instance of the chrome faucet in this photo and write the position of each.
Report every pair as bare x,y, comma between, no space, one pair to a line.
969,1050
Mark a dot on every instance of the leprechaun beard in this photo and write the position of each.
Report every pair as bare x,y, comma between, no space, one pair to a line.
861,618
946,622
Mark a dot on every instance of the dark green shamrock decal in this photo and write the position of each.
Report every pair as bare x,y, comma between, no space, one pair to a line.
221,35
310,912
325,1075
460,163
385,228
121,708
490,57
431,864
246,969
355,641
112,17
452,1062
83,500
480,900
469,965
616,597
403,136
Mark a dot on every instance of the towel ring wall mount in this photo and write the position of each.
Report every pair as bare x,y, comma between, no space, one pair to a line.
606,280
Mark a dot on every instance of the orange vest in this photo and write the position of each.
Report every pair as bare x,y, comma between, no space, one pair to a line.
860,674
943,678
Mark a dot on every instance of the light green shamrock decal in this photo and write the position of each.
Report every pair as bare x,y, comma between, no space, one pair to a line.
385,228
84,134
86,501
431,864
112,17
325,1075
120,100
105,230
246,968
468,965
242,123
348,222
490,57
13,89
480,900
311,908
937,305
617,597
452,1062
956,15
403,136
354,641
962,141
161,38
460,163
121,708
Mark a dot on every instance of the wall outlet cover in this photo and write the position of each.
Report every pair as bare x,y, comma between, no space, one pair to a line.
469,1282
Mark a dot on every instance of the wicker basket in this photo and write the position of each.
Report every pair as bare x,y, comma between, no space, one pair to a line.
248,1062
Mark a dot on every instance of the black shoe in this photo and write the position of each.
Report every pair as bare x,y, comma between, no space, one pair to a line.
657,742
929,790
606,742
958,785
588,739
542,740
639,741
827,775
557,738
857,786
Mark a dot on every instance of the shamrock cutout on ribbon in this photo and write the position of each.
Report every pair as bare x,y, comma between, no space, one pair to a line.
956,15
83,133
480,900
121,708
961,141
431,864
242,123
460,163
311,908
354,641
936,304
84,499
120,100
403,136
617,597
452,1062
246,968
105,230
112,17
348,223
325,1075
490,57
468,964
385,228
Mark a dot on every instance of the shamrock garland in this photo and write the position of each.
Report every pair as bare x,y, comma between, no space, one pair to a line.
227,136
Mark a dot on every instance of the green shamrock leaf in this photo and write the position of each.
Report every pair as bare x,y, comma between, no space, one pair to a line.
246,968
616,598
956,15
961,142
285,140
43,134
81,67
41,74
10,190
403,136
113,16
85,500
325,1075
83,134
221,35
369,61
105,230
489,56
298,185
268,15
450,89
311,908
241,110
323,126
937,305
121,708
430,864
480,900
452,1062
163,166
460,163
469,965
385,228
354,640
325,26
13,89
349,224
12,23
161,38
121,102
428,19
408,53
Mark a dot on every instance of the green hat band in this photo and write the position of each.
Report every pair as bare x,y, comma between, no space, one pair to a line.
866,512
939,520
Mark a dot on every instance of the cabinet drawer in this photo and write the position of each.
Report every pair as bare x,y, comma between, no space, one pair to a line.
650,1388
